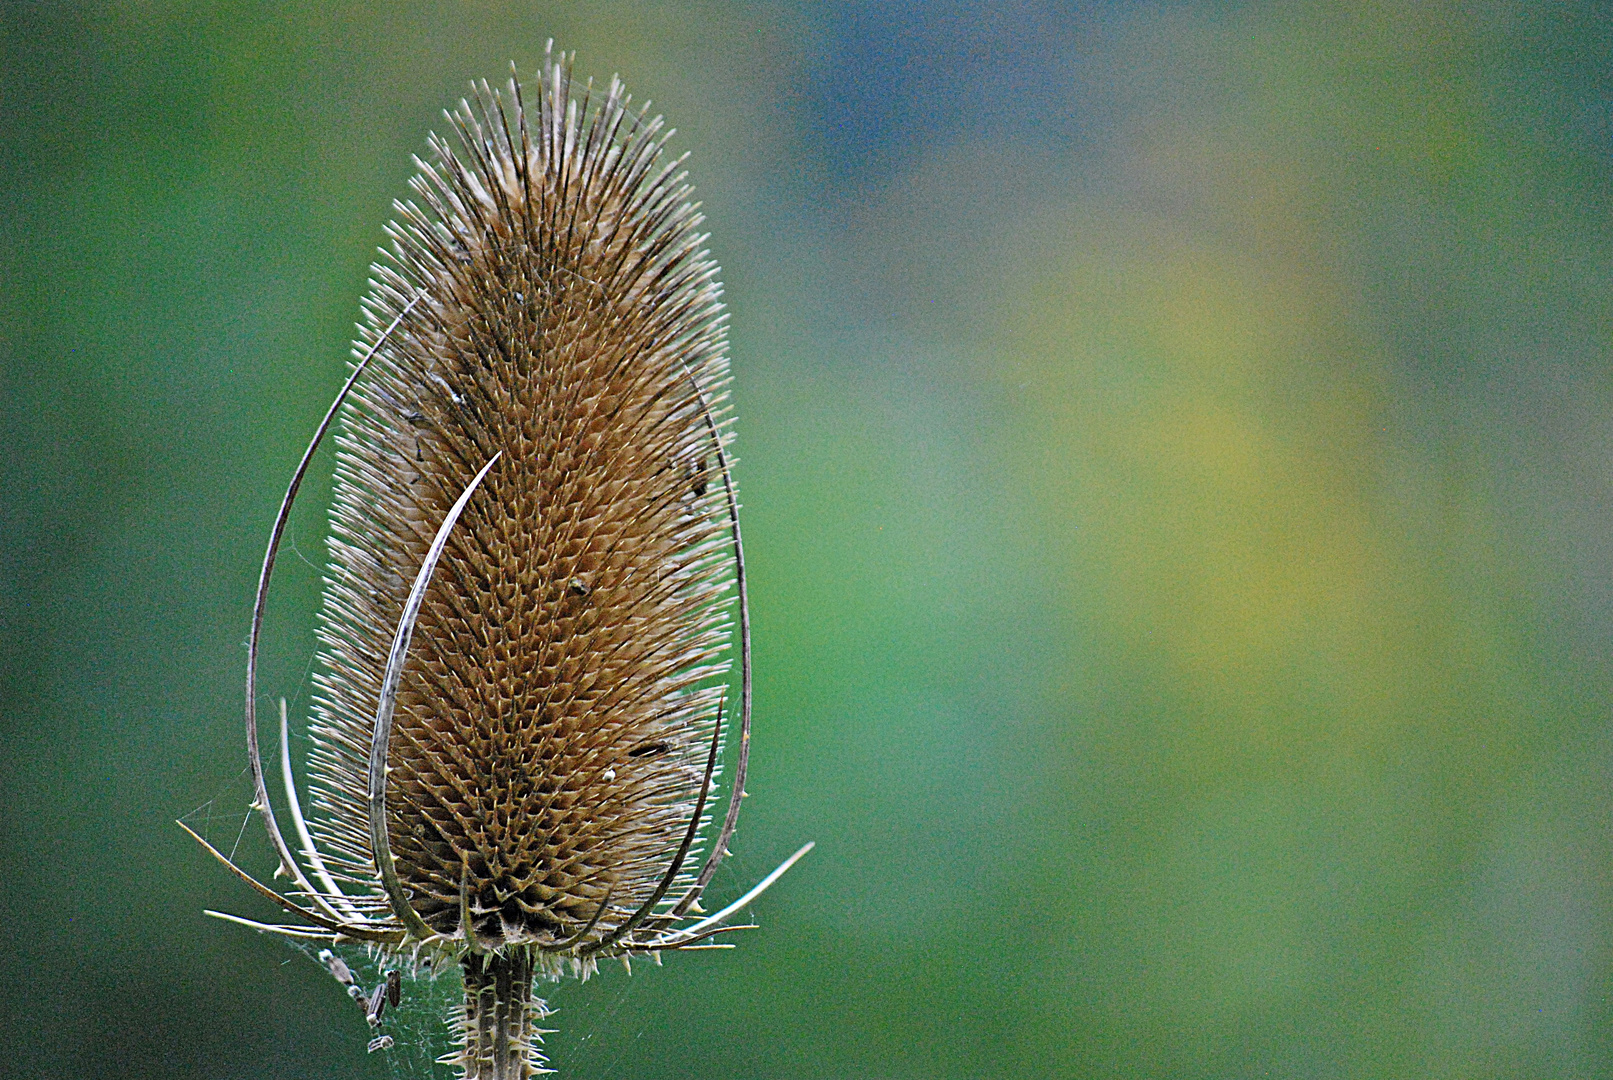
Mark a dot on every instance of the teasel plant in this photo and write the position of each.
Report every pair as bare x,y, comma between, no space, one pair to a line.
536,584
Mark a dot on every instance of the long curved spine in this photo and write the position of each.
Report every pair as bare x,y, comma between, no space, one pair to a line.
380,844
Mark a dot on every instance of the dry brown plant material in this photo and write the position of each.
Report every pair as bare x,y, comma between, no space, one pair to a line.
536,574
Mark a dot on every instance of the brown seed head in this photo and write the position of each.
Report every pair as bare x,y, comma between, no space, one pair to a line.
535,550
554,711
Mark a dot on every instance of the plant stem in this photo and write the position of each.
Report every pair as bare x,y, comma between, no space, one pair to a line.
500,1039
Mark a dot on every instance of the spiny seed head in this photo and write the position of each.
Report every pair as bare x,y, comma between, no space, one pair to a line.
534,554
556,308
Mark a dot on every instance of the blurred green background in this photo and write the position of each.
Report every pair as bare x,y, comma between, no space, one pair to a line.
1177,452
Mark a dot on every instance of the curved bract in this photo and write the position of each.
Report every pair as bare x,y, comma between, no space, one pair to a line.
535,573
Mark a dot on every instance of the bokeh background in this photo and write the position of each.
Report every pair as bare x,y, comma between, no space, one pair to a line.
1177,450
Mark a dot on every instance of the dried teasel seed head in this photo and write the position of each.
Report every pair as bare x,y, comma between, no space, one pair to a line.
569,318
556,708
535,575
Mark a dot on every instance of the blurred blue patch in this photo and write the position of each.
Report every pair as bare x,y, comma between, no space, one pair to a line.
895,78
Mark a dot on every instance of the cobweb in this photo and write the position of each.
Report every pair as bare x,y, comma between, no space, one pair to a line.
412,1035
410,1038
407,1038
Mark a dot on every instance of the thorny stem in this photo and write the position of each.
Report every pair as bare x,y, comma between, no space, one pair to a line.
500,1041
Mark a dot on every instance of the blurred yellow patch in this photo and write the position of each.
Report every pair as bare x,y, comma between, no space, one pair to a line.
1208,451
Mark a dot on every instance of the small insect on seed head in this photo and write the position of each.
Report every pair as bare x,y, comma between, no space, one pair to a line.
536,578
